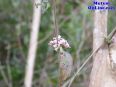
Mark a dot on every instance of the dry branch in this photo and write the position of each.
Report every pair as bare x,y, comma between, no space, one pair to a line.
32,47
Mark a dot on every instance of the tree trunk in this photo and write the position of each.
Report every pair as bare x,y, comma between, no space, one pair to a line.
103,71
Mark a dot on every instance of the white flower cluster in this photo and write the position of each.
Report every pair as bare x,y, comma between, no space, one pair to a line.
58,42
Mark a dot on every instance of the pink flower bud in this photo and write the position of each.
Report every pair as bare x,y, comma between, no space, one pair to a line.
58,42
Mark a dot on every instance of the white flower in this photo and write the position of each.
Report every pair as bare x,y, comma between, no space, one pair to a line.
59,36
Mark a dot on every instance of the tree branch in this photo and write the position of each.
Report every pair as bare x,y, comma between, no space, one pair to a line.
32,47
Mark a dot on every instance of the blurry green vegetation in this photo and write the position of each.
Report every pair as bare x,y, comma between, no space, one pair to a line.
75,22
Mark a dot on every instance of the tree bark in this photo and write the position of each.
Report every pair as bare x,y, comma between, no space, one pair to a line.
103,71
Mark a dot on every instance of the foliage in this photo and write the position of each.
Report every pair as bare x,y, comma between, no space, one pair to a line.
75,22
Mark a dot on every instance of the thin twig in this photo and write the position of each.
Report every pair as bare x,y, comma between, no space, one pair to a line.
8,67
56,29
44,39
112,33
21,48
81,43
3,75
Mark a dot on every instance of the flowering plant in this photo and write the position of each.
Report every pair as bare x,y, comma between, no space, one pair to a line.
59,42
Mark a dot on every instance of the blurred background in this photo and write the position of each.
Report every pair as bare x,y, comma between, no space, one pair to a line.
75,22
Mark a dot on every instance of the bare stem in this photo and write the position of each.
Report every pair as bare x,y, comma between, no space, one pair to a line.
3,75
32,47
8,67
